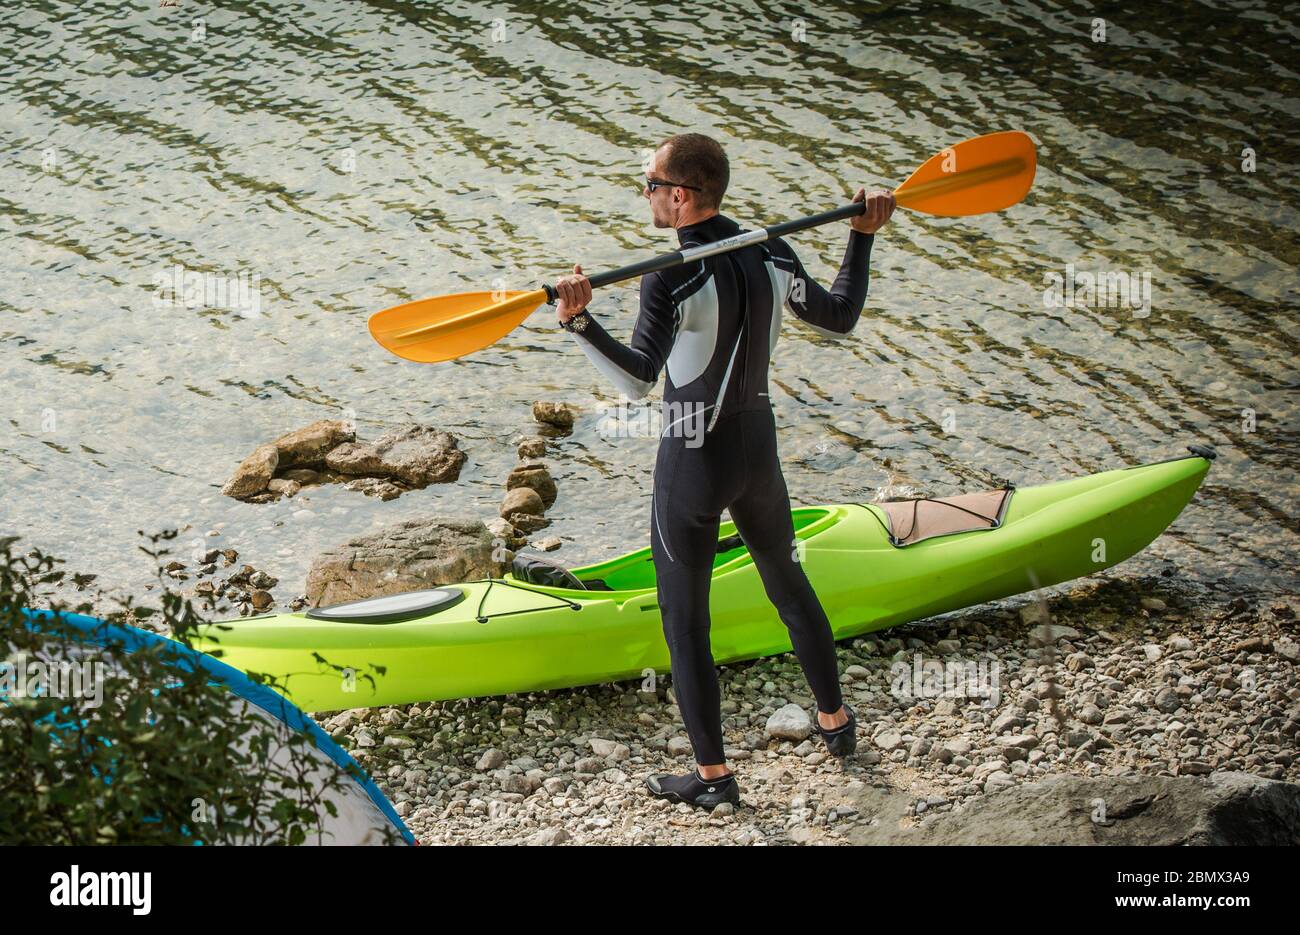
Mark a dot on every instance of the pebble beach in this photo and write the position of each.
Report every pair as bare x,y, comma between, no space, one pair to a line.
1186,683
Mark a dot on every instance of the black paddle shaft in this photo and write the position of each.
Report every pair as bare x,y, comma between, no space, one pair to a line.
690,254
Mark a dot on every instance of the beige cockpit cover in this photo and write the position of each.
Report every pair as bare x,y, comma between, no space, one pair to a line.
914,520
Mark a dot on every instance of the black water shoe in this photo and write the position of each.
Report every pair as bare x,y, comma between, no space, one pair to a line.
840,741
693,789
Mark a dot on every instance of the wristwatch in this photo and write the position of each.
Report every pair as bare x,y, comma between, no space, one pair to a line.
578,323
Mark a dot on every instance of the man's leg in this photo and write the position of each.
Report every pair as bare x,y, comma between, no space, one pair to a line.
684,542
683,586
762,517
683,549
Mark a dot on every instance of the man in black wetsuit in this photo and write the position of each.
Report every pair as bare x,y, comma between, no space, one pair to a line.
715,322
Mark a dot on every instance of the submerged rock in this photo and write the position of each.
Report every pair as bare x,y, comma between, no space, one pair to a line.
283,486
375,487
528,522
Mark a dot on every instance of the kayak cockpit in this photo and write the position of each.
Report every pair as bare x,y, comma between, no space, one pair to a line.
636,571
391,608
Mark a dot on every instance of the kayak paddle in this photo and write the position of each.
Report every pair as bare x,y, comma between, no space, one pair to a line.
977,176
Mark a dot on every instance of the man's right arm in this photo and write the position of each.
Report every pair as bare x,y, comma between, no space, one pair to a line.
634,368
832,312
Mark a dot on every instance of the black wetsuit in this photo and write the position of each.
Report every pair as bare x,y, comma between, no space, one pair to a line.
718,448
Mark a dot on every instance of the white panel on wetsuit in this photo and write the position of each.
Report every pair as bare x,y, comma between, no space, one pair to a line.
697,336
781,281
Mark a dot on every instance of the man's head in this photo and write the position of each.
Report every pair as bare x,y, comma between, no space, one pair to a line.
698,167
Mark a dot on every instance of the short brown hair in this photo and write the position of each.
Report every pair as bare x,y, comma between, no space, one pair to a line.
696,159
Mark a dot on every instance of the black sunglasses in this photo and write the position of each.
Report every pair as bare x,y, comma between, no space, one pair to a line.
653,184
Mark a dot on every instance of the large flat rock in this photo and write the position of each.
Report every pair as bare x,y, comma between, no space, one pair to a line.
410,556
1221,808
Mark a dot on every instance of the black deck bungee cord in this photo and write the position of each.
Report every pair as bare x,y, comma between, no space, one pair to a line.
480,617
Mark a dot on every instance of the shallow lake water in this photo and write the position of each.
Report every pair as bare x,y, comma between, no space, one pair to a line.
327,160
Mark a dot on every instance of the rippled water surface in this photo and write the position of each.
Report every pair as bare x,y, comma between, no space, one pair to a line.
348,156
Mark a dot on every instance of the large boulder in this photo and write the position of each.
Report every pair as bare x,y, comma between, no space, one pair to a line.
419,553
307,446
414,454
1221,808
327,452
254,473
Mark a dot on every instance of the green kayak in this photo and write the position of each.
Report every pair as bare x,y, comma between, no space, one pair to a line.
872,565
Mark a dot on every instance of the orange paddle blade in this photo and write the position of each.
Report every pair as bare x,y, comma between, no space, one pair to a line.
987,173
448,326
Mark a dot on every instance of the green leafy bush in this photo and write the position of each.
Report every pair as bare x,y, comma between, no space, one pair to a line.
145,752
